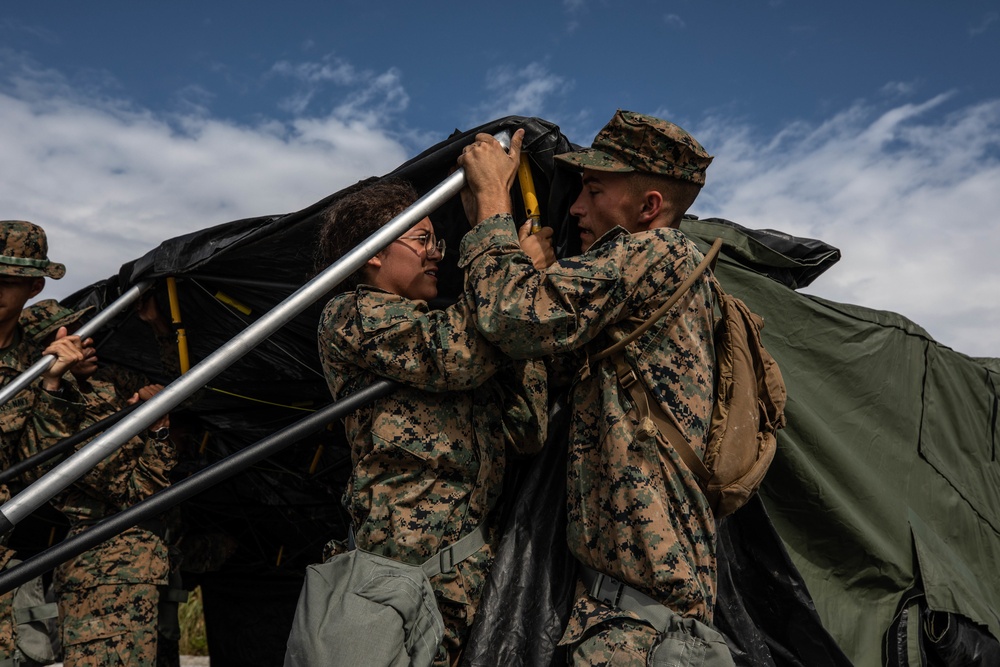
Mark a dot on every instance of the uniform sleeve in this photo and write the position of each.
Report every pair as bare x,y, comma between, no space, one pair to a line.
402,340
525,411
52,419
530,313
136,470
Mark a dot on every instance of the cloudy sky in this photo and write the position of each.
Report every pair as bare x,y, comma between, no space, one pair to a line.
872,126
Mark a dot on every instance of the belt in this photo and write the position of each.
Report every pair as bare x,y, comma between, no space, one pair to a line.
446,559
615,594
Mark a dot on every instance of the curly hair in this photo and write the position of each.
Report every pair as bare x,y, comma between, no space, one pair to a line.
359,213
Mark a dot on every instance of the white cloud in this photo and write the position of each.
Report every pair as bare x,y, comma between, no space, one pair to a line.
910,195
525,91
371,94
109,181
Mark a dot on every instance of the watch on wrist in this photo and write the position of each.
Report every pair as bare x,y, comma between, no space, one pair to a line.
159,434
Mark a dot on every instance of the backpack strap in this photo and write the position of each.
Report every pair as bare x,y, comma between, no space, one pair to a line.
646,404
710,257
649,408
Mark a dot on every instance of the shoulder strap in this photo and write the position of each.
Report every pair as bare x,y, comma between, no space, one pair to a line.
647,406
710,258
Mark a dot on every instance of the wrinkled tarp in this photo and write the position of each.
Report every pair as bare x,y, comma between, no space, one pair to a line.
886,477
885,480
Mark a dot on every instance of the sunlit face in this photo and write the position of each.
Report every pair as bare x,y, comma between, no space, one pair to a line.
14,293
406,267
604,203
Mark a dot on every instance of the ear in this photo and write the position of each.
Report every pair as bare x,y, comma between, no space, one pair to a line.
37,285
650,209
375,262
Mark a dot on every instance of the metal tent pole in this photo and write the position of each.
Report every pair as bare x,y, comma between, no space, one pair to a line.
101,447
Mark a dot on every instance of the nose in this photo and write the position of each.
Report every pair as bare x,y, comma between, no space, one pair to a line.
577,209
434,254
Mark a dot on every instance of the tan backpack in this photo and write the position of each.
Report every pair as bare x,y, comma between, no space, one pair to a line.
749,400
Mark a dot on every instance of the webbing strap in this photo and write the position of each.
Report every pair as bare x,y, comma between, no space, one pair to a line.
446,559
617,595
649,408
41,612
709,260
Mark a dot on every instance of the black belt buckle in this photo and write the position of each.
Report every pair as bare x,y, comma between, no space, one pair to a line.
607,590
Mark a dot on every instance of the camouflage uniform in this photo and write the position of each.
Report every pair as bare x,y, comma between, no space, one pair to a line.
33,414
635,511
429,459
108,595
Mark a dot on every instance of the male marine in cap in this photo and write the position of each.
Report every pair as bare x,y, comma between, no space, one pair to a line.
638,521
50,402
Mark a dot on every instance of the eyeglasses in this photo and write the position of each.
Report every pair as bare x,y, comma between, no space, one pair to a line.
429,241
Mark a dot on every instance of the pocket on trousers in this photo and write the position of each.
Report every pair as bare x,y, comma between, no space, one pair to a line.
92,629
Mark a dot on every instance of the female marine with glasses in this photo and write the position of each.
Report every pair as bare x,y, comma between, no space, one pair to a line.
429,459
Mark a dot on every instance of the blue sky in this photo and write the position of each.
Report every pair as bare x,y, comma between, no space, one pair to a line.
872,126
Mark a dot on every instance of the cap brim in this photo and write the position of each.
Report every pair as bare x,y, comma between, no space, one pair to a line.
591,158
54,270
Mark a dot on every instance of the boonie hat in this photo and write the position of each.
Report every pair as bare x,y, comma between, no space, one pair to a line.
24,251
636,142
43,318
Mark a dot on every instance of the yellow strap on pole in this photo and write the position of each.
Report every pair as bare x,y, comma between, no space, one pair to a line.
527,183
175,317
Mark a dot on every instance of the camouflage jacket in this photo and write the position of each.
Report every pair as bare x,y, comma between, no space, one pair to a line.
635,511
428,459
134,472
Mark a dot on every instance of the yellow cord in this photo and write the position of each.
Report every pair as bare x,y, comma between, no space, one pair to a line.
258,400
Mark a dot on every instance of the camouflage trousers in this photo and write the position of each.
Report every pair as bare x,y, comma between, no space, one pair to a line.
109,625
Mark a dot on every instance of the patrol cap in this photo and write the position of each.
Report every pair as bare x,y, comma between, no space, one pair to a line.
24,251
43,318
636,142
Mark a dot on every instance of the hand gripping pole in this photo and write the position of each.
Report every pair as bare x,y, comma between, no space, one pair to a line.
86,331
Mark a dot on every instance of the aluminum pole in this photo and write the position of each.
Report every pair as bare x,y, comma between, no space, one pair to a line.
101,447
189,487
93,326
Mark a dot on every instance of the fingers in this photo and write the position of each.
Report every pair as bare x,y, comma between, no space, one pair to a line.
68,351
524,231
515,145
538,246
149,391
